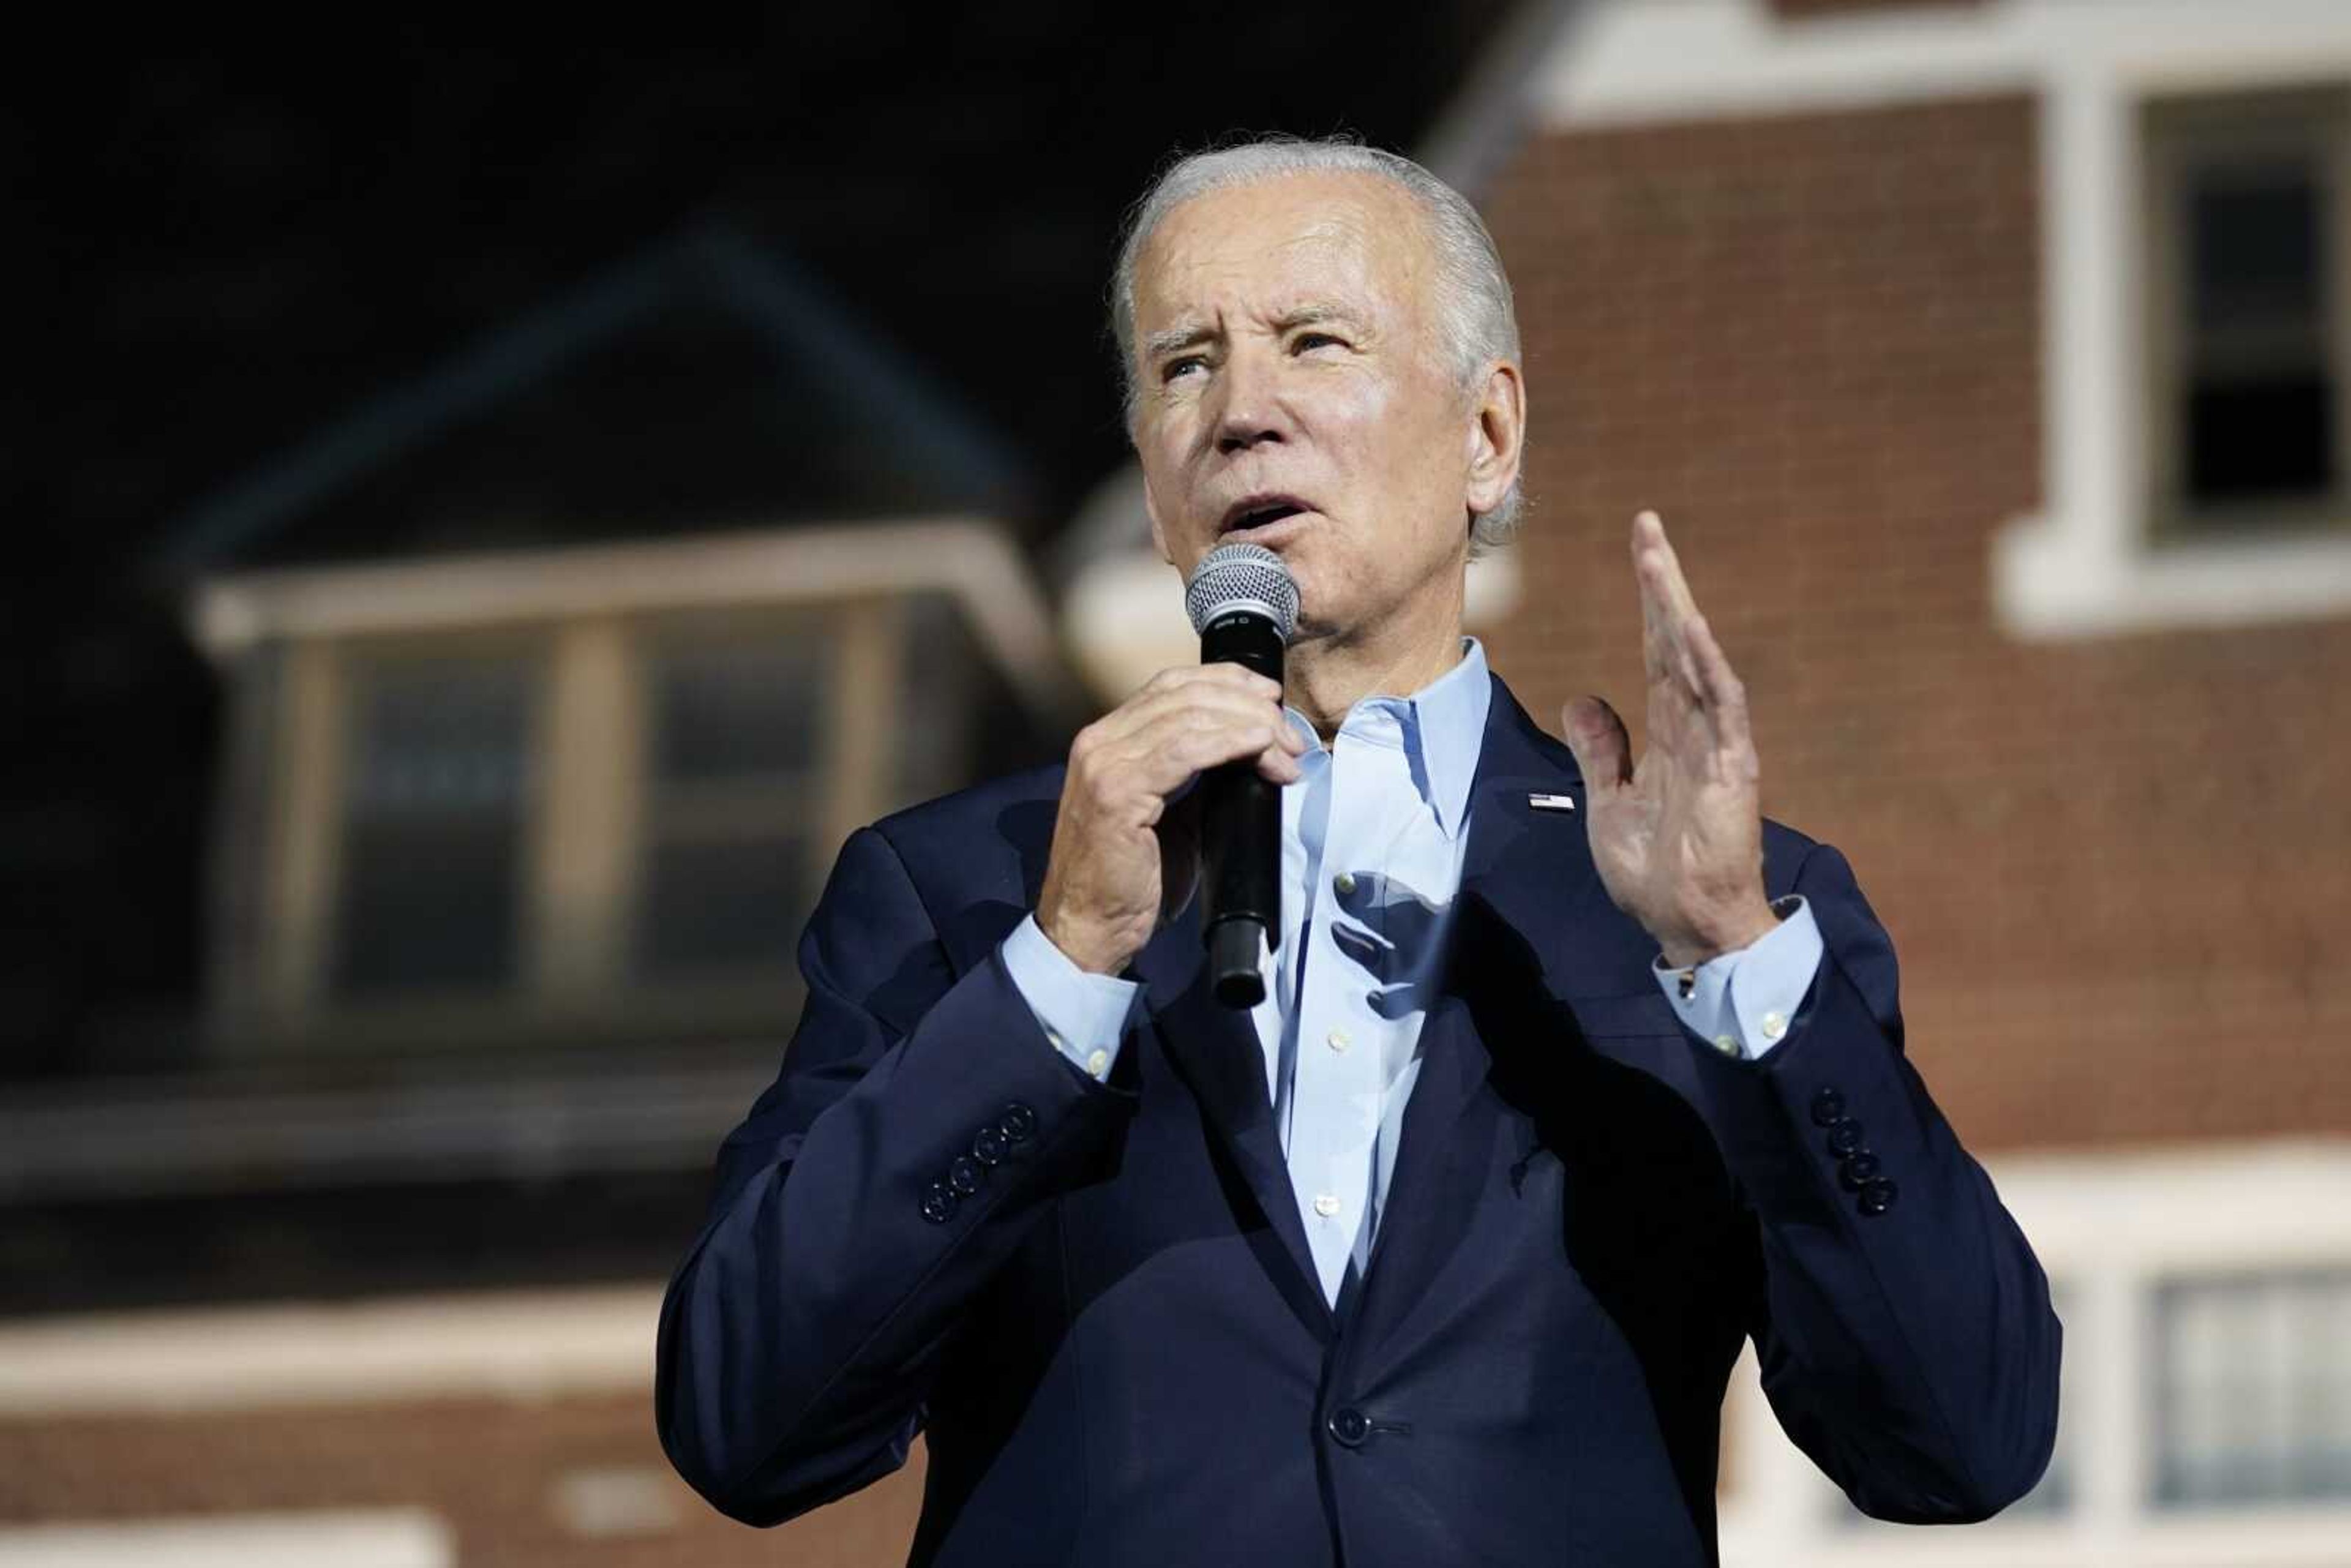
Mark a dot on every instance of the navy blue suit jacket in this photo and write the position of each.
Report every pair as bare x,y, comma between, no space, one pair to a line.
1096,1298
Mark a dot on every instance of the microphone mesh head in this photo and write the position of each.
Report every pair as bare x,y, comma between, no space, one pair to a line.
1237,576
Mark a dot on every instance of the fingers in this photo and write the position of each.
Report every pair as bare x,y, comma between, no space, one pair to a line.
1720,692
1185,721
1659,567
1604,751
1667,605
1678,643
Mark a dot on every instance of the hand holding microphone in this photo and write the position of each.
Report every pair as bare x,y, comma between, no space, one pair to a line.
1123,858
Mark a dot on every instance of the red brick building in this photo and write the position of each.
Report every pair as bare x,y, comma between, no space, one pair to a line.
1991,366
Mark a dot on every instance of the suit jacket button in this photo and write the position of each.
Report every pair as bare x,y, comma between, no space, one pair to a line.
938,1204
1860,1167
964,1175
988,1144
1878,1196
1827,1106
1350,1426
1844,1138
1018,1122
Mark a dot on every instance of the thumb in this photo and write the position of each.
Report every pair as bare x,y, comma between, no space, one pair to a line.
1603,750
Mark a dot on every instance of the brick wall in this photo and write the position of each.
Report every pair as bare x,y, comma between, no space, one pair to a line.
494,1470
2117,870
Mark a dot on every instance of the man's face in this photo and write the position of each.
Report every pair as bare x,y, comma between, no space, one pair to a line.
1294,390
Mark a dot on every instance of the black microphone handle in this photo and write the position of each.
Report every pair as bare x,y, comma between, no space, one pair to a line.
1241,830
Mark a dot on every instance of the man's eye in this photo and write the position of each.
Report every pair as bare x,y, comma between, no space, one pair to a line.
1308,341
1176,368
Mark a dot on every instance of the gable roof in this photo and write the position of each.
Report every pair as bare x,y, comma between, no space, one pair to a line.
706,383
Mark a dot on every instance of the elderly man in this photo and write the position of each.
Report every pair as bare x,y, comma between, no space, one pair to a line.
1571,1074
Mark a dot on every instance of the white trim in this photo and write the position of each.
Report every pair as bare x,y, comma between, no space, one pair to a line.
2081,567
1664,61
355,1537
517,1345
2106,1227
135,1137
968,558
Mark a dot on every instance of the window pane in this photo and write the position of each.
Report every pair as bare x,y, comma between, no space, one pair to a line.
432,836
2254,1388
737,709
724,906
738,752
2257,436
2259,396
2257,239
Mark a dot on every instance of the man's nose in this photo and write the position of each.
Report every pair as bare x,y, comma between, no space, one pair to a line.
1251,411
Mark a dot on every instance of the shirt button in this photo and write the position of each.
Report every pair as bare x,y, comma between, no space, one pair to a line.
1338,1040
1098,1064
1326,1205
1726,1044
1344,882
1774,1026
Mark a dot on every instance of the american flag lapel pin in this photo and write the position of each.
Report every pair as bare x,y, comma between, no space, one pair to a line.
1552,802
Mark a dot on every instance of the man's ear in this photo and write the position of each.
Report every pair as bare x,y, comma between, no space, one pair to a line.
1496,435
1158,533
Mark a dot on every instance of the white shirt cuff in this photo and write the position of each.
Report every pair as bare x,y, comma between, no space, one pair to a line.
1082,1014
1745,1001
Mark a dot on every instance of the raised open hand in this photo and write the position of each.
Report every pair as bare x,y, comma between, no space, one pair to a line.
1678,839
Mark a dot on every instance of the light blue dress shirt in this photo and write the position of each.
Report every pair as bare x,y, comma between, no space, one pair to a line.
1372,842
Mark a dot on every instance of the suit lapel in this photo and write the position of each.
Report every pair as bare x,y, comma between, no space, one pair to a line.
1217,1051
1525,876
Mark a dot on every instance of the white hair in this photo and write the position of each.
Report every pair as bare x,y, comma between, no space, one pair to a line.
1473,306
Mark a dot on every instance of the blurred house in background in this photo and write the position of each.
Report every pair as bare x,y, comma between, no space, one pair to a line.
552,684
1991,363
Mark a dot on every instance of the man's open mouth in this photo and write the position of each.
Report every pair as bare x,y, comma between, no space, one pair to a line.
1259,511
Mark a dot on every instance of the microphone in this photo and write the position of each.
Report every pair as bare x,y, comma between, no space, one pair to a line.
1244,606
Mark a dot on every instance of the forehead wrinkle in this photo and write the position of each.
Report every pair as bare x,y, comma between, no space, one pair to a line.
1345,241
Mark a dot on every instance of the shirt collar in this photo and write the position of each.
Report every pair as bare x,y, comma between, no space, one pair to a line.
1448,724
1444,727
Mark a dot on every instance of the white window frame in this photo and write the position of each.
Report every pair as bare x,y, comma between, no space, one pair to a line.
2202,130
353,1538
2112,1226
594,613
